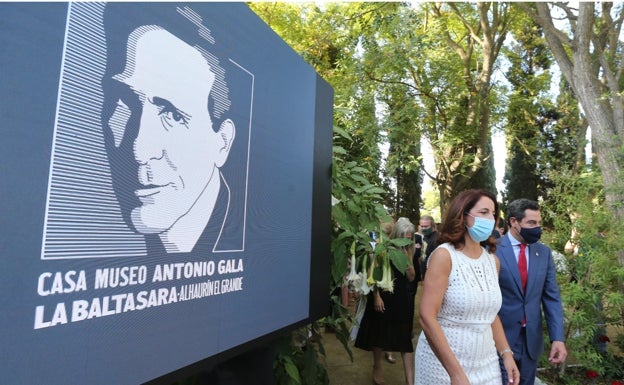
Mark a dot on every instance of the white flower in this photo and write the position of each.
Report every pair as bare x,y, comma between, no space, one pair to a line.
363,288
386,283
352,274
370,280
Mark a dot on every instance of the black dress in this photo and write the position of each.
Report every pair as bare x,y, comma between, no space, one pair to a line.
391,330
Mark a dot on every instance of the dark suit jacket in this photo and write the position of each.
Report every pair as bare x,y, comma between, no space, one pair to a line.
418,241
431,245
542,293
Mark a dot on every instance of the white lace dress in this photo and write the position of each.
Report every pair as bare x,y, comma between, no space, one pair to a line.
468,309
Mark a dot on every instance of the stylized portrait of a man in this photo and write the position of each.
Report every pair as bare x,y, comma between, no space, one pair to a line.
168,91
166,95
168,131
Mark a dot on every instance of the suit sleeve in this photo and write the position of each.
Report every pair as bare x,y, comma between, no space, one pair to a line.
551,302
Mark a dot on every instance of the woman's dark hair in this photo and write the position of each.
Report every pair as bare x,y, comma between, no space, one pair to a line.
453,227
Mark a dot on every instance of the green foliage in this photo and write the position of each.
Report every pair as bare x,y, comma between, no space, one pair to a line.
300,355
387,66
297,358
431,204
454,67
528,76
357,211
591,281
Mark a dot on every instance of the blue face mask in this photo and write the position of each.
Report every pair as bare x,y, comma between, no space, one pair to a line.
531,235
481,230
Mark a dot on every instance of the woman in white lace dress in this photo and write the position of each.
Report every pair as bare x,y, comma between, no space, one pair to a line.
462,336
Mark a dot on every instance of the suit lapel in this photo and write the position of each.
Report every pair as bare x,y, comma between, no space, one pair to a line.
509,258
535,265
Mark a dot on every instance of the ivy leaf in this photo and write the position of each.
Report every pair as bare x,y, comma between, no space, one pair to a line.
292,370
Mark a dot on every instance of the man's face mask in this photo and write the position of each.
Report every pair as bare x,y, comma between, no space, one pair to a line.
531,235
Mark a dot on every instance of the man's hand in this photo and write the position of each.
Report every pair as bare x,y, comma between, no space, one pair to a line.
558,352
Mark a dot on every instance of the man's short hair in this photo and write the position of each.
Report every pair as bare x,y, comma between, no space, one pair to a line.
430,219
182,22
517,208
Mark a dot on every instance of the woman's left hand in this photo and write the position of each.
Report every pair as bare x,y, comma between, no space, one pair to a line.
513,374
379,303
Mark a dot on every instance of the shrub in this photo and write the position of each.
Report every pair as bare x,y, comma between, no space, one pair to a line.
591,280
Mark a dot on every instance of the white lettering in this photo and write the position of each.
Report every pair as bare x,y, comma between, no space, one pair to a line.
58,317
173,271
79,310
129,305
230,266
40,286
232,284
157,276
142,300
120,276
61,283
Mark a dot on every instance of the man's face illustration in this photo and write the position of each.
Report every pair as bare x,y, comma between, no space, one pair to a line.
162,118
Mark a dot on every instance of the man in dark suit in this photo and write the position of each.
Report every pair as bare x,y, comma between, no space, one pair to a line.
526,295
425,242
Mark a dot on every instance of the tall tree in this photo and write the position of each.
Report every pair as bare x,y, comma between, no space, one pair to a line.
475,33
327,38
566,139
403,161
385,58
454,98
589,52
529,111
563,140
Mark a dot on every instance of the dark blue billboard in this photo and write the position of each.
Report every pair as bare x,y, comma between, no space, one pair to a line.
166,184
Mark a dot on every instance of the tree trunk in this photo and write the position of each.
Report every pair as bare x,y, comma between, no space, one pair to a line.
582,72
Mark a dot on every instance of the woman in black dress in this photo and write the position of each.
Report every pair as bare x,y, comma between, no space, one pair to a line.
389,316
